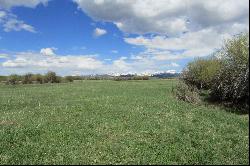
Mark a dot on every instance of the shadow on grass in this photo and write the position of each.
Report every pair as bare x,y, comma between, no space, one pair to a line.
240,108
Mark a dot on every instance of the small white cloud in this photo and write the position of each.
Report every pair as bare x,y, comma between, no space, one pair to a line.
3,56
79,48
48,51
107,59
2,14
114,51
173,64
99,32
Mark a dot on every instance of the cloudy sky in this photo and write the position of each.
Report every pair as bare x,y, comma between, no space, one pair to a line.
77,37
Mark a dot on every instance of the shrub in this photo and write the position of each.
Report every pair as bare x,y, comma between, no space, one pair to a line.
27,79
3,78
38,78
13,79
201,72
51,77
145,77
187,93
140,78
69,78
118,78
232,82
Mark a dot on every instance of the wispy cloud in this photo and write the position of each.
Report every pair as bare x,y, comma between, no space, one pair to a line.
10,22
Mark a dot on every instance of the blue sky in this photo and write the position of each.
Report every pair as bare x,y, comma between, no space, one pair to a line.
77,37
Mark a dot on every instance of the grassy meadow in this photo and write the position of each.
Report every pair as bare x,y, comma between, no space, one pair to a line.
111,122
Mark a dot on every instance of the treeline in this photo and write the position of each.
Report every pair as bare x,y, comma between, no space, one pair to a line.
225,76
29,78
52,77
132,77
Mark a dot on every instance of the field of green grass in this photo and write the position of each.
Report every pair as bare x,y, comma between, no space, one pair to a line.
109,122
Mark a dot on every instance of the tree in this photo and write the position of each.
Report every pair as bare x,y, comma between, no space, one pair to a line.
12,79
51,77
27,78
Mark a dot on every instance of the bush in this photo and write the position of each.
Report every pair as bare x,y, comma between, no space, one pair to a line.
126,78
187,93
226,76
13,79
201,72
51,77
27,79
232,82
140,78
3,78
118,78
38,78
69,78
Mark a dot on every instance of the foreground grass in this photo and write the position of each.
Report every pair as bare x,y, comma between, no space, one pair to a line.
108,122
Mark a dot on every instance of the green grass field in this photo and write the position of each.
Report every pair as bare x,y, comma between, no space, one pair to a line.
109,122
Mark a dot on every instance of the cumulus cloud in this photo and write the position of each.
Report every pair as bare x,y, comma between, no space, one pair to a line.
23,62
48,51
181,28
7,4
166,16
36,62
99,32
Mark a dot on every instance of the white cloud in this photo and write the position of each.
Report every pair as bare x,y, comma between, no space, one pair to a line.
114,51
180,28
2,15
17,25
10,22
3,56
7,4
189,45
48,51
99,32
36,62
23,62
166,16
